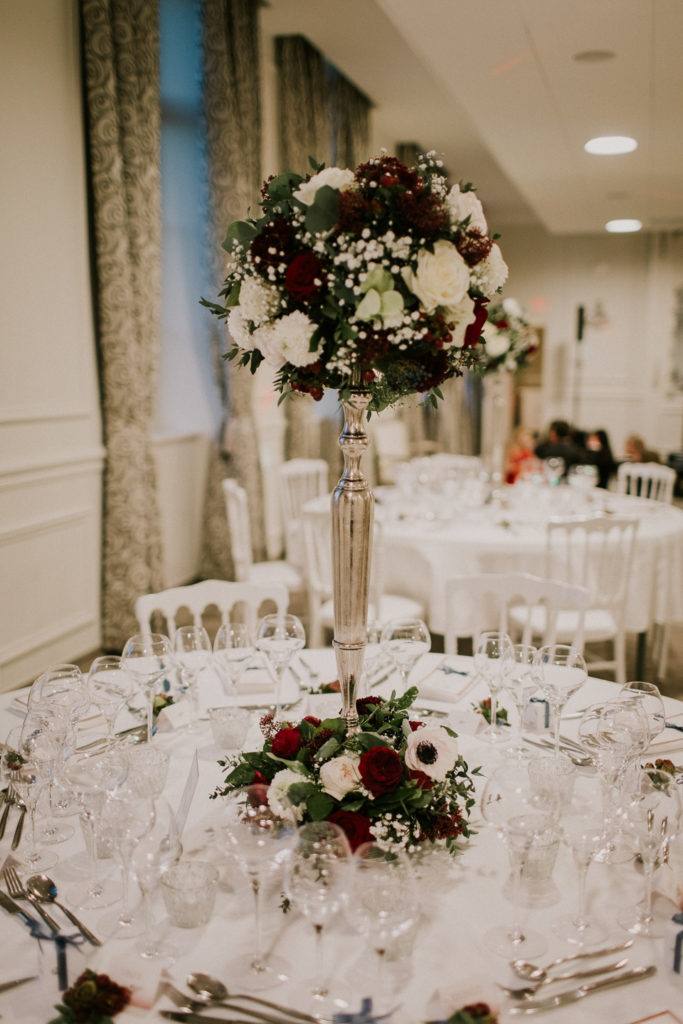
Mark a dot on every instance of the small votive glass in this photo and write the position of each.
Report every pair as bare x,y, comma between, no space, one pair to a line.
189,892
229,726
148,769
546,772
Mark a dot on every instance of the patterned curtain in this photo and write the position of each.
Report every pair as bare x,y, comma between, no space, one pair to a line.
232,107
352,122
120,41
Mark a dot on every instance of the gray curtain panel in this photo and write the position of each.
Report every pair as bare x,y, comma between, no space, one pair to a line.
352,123
232,109
121,72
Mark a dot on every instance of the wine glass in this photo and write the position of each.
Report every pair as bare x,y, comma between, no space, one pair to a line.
38,744
233,649
260,840
493,662
279,637
193,652
650,699
521,682
383,906
562,673
156,852
583,831
148,657
318,880
109,686
373,656
523,815
653,820
125,819
405,641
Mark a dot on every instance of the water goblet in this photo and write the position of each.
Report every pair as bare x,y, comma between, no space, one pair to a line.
650,699
521,683
279,637
562,673
233,649
493,662
317,881
109,687
156,852
405,641
148,657
582,829
125,819
193,652
38,745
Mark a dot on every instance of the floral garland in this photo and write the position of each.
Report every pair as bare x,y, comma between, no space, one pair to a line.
510,340
378,276
398,783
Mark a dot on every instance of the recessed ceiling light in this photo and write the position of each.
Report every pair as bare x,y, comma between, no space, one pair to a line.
623,226
611,145
593,56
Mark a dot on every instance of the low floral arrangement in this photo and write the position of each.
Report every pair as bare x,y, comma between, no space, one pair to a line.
92,999
396,782
510,340
377,277
161,701
483,708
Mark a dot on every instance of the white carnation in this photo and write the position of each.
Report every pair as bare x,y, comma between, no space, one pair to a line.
340,775
266,341
278,799
497,342
432,750
466,204
491,274
292,336
238,329
259,301
335,177
441,278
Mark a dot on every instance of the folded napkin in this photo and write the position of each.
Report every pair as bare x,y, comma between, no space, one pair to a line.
449,681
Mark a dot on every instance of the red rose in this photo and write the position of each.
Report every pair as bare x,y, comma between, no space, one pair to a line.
414,726
381,770
356,827
286,743
473,332
304,277
366,705
312,719
422,780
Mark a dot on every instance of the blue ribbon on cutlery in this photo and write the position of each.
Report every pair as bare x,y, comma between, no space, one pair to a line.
678,944
61,942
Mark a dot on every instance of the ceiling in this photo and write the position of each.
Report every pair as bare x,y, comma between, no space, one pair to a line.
494,86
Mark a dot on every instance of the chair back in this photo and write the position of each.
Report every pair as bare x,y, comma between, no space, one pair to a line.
527,607
300,480
239,528
239,601
646,480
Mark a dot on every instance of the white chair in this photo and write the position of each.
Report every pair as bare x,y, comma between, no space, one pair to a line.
243,601
646,480
389,445
596,553
246,570
317,532
300,481
526,607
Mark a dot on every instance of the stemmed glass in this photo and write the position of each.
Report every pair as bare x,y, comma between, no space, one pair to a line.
156,852
562,673
405,642
383,906
373,656
109,686
38,745
148,657
583,830
125,819
193,652
493,662
233,649
523,815
521,683
279,637
260,840
650,699
318,880
653,819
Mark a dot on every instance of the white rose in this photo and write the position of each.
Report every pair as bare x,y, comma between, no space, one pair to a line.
497,342
512,307
292,337
335,177
466,204
340,775
266,341
441,278
431,750
278,799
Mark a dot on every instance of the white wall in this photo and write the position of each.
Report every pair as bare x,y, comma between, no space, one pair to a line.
50,445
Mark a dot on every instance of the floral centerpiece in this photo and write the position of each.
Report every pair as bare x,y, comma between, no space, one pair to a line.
378,276
396,782
92,999
510,340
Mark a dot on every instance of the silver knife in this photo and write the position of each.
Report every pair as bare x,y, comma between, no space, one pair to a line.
562,998
14,908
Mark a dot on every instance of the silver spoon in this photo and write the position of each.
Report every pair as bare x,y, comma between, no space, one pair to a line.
45,891
532,972
210,990
528,991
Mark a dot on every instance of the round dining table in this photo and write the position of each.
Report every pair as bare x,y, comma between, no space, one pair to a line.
440,965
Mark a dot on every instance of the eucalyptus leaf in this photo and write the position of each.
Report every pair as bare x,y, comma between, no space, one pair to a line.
322,214
240,231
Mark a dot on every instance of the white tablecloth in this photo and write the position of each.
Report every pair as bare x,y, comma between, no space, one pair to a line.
459,905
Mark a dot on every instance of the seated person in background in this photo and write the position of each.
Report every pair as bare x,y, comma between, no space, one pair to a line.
635,450
560,444
520,458
599,454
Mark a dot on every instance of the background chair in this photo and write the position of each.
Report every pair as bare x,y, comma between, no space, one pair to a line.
245,602
246,570
300,481
526,607
317,533
646,480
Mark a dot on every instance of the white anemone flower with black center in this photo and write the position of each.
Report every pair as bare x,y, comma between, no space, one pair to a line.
431,749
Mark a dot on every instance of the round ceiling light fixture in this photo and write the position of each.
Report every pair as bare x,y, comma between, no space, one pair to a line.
623,226
610,145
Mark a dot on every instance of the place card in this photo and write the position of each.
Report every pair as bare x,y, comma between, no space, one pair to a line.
174,716
188,794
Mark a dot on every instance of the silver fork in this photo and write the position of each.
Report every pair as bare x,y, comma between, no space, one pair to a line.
18,892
